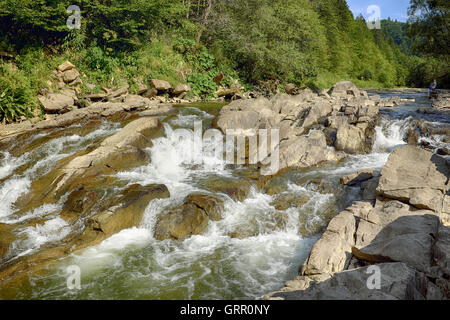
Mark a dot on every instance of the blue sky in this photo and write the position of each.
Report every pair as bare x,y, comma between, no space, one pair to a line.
396,9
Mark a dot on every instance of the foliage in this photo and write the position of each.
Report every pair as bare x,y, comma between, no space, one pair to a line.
309,43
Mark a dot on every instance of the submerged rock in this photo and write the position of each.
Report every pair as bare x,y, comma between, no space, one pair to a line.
357,177
189,219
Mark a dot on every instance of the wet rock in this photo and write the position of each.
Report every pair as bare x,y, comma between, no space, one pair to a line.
332,252
190,218
288,200
120,151
79,202
443,151
181,223
236,190
357,177
369,189
212,205
7,237
126,214
126,211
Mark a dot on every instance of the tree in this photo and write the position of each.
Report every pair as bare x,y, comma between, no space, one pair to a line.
429,26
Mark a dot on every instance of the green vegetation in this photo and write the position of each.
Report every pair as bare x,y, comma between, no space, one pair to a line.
311,43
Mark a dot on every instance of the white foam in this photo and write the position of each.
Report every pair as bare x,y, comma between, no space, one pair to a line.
48,155
52,230
10,191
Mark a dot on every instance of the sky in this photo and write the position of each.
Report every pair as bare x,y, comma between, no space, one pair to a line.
396,9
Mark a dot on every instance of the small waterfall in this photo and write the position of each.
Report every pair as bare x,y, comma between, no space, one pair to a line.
390,134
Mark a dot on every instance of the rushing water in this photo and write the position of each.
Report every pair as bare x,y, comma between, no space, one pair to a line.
214,265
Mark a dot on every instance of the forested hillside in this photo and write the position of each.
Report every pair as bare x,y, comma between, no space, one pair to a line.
307,42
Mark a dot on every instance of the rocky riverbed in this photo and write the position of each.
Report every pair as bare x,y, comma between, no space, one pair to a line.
111,188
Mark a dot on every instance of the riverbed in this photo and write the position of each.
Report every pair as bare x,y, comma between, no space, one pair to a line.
253,250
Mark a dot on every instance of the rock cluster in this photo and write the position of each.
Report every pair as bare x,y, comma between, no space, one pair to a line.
441,100
69,95
405,234
308,123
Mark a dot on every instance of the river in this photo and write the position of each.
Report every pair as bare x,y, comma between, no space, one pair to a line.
215,265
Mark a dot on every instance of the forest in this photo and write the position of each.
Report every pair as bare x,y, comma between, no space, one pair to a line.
310,43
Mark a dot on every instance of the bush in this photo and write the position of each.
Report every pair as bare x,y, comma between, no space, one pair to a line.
16,97
366,75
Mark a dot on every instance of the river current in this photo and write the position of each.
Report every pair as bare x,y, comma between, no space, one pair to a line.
133,265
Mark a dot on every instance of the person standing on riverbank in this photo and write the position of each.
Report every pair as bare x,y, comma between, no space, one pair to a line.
432,87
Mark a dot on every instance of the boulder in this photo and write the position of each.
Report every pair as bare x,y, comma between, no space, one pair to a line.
285,201
351,139
57,103
332,252
305,151
70,75
357,177
408,239
160,85
236,189
416,176
343,89
128,213
65,66
181,89
190,218
181,223
212,205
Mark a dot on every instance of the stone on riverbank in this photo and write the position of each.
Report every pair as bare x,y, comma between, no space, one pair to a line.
409,241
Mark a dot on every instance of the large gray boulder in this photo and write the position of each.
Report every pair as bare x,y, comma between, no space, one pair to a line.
418,177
